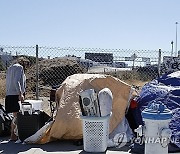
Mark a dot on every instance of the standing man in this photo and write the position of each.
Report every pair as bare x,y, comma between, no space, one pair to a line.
15,91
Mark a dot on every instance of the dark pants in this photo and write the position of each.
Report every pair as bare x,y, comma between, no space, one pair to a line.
11,103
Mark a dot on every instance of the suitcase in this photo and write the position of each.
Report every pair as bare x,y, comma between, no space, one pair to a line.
29,122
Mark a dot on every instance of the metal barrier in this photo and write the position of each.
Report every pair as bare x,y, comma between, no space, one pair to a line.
50,66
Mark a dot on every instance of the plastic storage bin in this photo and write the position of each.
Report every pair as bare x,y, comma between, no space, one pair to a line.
95,133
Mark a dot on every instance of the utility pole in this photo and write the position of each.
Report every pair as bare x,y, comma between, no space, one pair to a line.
159,63
172,49
176,38
37,72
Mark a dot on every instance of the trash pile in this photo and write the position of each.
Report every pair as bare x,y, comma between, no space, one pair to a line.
83,97
165,89
87,103
68,117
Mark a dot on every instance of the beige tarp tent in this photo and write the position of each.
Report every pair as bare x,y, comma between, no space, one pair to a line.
67,124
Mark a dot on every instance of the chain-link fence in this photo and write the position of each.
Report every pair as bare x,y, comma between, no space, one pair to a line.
51,66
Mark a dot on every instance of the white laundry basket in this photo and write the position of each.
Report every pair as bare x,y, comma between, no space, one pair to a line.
95,133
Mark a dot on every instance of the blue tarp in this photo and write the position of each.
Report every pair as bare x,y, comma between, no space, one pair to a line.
167,90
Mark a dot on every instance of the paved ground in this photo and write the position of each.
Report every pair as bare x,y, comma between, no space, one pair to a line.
58,147
62,147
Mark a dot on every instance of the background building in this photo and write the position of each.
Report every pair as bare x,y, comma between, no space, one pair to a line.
103,58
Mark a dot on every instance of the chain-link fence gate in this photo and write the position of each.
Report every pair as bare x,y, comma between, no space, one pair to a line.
51,66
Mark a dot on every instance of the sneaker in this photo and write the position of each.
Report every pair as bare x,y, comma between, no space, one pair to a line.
18,141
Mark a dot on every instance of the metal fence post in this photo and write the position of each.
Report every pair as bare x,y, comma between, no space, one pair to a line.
37,74
159,63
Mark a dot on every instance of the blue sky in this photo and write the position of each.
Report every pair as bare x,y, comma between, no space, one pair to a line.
108,24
